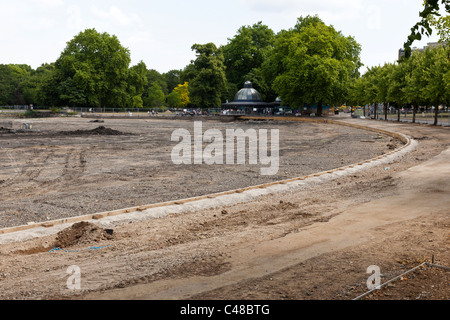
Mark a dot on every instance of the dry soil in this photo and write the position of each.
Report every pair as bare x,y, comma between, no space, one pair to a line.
311,244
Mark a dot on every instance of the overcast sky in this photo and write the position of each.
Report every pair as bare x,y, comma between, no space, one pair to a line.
161,33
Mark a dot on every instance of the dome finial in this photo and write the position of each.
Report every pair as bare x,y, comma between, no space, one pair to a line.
248,94
248,84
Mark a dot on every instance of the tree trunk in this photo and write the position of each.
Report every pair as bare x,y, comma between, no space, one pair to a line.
399,112
436,114
100,102
319,109
414,113
385,111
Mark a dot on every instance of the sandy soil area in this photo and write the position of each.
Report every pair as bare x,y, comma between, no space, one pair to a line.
309,244
67,167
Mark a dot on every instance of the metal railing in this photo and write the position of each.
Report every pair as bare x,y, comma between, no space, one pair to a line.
422,117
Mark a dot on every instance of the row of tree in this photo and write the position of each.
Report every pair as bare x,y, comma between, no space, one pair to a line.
94,71
310,63
423,80
50,86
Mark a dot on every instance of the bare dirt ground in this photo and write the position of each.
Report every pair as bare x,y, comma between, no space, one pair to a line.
312,244
71,167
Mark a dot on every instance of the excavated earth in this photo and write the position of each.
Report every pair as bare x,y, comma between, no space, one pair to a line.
311,243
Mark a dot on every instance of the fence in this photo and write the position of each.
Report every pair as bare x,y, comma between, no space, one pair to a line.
78,110
406,115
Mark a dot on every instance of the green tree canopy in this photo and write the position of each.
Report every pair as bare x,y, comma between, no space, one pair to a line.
208,76
137,80
172,79
423,80
93,68
156,96
436,74
244,55
442,26
317,64
15,84
174,100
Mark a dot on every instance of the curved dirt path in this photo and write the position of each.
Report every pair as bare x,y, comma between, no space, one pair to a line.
314,243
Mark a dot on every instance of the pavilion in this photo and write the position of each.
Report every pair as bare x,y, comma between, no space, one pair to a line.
248,101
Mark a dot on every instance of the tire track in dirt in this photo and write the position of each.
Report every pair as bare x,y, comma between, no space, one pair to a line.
45,170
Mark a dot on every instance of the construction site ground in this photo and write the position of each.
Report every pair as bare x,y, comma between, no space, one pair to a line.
315,243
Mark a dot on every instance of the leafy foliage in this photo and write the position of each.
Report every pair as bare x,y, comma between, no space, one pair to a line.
156,96
313,63
95,64
209,78
244,55
424,26
421,80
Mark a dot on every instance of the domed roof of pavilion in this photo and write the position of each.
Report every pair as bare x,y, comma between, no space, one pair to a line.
248,94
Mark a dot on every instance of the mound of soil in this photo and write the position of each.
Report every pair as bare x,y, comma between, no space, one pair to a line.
97,131
82,233
6,130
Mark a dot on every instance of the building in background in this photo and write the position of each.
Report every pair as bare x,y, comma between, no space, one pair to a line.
401,52
248,101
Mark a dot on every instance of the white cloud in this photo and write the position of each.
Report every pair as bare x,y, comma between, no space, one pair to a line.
48,3
139,38
116,16
283,6
42,24
74,19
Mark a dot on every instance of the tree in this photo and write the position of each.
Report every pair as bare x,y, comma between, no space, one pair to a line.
442,26
421,80
274,65
172,79
96,64
244,55
209,78
156,97
39,78
49,93
137,80
436,72
371,86
397,86
173,99
317,66
7,84
377,85
183,92
356,95
382,83
15,84
179,97
415,82
152,76
424,26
